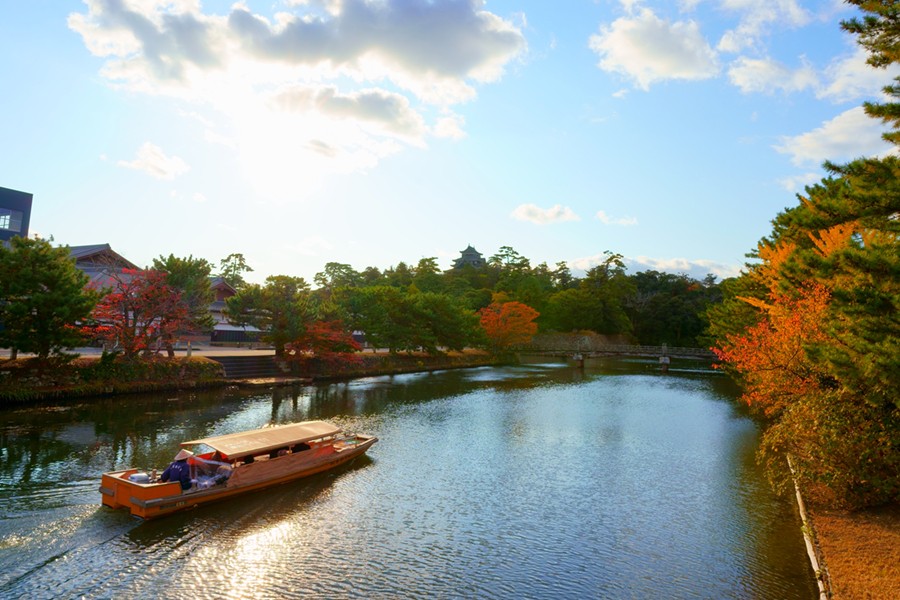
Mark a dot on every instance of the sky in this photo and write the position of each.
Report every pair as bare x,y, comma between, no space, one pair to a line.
373,132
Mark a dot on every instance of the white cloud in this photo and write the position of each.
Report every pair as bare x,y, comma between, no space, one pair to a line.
849,135
767,75
756,18
311,246
543,216
329,86
152,160
386,111
420,46
647,49
450,126
623,221
846,79
697,268
798,182
850,78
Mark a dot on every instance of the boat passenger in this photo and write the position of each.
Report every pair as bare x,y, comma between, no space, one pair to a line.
223,473
278,452
179,470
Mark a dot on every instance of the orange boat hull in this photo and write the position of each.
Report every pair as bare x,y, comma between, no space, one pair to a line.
152,500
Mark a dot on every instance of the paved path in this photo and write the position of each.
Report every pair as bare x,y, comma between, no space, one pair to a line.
196,350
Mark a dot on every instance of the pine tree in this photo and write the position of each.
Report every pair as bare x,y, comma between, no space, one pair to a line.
42,298
842,424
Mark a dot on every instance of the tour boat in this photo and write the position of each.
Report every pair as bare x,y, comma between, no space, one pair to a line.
228,465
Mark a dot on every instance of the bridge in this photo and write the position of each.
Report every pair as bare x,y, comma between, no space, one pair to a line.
631,350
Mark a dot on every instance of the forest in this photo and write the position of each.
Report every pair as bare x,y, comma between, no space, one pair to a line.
415,307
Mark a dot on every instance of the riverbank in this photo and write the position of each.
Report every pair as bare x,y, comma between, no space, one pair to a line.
369,364
27,380
861,551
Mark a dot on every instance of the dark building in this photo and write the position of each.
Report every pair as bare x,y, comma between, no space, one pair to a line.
15,213
469,257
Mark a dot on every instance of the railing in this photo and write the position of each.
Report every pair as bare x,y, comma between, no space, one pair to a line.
626,349
655,350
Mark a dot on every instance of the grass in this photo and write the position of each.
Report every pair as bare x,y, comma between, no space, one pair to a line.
862,551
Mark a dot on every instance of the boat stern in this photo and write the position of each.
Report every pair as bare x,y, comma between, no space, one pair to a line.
118,490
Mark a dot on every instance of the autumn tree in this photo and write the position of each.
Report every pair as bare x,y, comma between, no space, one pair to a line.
327,342
508,325
138,312
42,298
844,441
323,338
844,236
771,356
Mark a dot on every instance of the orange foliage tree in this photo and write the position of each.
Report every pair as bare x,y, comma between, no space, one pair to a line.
508,324
327,341
806,362
771,356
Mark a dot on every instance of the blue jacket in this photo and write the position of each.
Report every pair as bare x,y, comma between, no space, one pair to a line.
178,471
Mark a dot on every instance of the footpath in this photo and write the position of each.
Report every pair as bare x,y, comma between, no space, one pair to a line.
861,551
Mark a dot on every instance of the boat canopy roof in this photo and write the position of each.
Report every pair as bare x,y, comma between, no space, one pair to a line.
236,445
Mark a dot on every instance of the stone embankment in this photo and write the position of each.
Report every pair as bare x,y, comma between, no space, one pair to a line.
31,380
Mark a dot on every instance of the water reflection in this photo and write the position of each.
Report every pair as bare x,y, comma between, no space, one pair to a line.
543,480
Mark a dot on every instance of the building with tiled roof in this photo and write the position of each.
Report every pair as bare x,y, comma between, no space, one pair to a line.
99,261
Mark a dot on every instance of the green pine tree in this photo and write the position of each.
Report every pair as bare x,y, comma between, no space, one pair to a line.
43,298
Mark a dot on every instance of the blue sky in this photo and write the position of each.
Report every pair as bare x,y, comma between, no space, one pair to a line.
369,132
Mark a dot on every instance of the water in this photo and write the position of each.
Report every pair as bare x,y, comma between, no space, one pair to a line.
538,481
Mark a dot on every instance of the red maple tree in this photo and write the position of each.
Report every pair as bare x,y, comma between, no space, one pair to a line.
138,312
508,324
327,341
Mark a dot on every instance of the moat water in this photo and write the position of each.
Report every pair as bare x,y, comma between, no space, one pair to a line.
537,481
